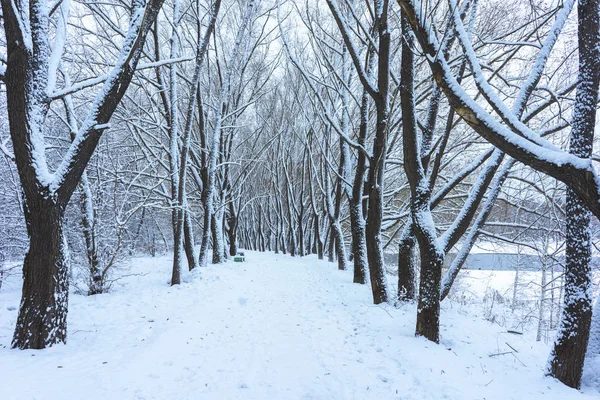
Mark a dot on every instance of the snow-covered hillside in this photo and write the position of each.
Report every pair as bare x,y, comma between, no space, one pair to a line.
274,327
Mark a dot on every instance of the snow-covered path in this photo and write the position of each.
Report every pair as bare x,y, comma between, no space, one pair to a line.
274,327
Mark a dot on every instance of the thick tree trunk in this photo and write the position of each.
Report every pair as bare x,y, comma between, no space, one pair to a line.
568,355
42,319
432,258
428,310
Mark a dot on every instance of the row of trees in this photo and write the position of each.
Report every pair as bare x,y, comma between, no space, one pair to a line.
347,129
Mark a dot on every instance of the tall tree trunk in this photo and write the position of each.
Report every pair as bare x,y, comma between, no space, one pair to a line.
375,211
377,165
357,221
428,311
568,355
42,319
174,152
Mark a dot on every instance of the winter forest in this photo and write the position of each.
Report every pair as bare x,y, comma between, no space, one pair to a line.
299,199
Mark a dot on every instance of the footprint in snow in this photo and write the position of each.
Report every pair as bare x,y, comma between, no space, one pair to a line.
243,301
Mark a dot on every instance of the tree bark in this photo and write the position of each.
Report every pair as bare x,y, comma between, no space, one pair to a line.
406,269
42,319
568,355
377,166
188,242
233,227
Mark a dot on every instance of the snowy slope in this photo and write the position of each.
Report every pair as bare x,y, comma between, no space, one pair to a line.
274,327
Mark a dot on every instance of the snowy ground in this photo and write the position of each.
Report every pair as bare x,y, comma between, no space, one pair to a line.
274,327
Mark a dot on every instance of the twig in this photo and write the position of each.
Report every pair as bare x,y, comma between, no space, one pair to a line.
515,350
501,354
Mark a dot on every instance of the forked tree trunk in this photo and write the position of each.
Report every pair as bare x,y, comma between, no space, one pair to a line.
428,311
377,165
375,210
42,319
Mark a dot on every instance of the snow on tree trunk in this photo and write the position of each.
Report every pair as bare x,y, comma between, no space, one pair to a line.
188,243
174,153
218,249
30,77
357,220
406,270
428,310
542,309
42,319
568,354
